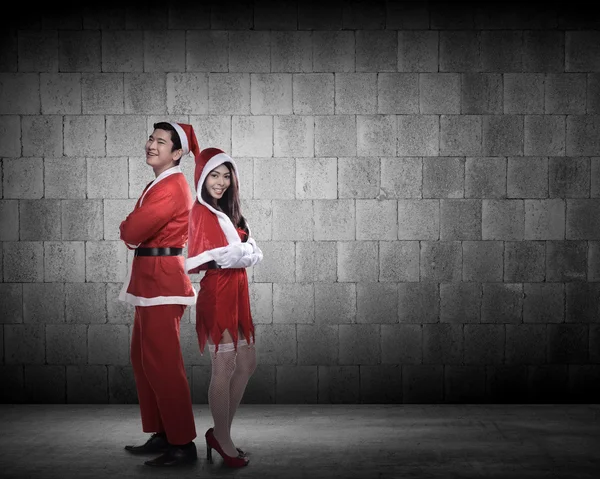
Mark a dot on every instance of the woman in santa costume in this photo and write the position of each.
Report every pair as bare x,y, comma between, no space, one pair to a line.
220,244
160,290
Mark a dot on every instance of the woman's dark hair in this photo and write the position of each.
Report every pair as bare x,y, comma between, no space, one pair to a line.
229,203
163,125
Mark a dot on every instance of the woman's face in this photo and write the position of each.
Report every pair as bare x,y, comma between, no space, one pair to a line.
217,181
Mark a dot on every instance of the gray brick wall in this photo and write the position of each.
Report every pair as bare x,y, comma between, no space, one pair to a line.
423,178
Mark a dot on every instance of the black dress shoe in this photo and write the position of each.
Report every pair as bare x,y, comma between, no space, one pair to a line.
157,443
176,456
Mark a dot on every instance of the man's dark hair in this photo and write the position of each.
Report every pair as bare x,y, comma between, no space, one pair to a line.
163,125
229,203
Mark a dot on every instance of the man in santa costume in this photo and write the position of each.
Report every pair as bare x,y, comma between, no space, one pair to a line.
160,290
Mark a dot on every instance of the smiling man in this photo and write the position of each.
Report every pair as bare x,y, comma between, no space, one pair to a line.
160,290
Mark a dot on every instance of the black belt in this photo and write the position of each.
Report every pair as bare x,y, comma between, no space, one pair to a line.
158,251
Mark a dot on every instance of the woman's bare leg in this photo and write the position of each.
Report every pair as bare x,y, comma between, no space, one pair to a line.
245,365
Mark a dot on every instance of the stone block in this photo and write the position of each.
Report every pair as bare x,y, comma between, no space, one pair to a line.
545,219
525,344
108,344
24,344
543,51
460,135
122,51
126,135
524,261
483,261
447,16
313,94
377,303
376,135
358,177
271,93
317,15
527,178
594,342
60,93
11,306
334,220
39,220
401,177
376,219
145,93
484,344
333,51
544,135
547,382
291,51
85,303
583,383
443,177
506,383
278,264
115,211
583,302
582,51
45,384
66,344
38,50
443,344
316,261
317,344
231,15
503,219
42,135
460,303
543,303
417,49
418,135
63,261
14,389
82,220
502,303
439,93
459,51
501,50
18,271
249,51
460,219
398,261
355,93
502,135
485,178
20,94
335,303
565,93
568,343
523,93
274,178
359,344
105,261
358,261
441,261
566,261
316,178
593,261
401,343
206,51
361,16
569,177
84,135
23,178
79,51
293,303
422,384
593,93
65,178
418,219
118,312
293,136
212,130
339,384
583,135
121,385
44,303
276,344
164,51
102,93
261,302
418,302
582,219
293,220
252,136
480,94
296,384
381,384
10,132
398,93
87,384
464,384
259,217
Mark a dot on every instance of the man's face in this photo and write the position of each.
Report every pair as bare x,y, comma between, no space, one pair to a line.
159,152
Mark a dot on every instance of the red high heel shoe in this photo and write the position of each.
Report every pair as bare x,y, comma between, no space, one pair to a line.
241,453
230,461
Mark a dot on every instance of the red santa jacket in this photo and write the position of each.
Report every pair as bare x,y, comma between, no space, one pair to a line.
159,219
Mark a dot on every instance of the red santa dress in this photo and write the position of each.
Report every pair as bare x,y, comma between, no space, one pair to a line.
223,301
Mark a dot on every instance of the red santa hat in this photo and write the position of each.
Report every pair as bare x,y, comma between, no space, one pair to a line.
206,161
189,143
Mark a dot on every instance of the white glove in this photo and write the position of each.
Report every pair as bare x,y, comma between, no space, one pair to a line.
231,255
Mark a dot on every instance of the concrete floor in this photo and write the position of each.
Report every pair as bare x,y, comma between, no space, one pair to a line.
316,441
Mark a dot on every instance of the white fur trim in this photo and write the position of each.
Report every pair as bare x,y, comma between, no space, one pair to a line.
162,176
204,257
226,225
159,300
185,146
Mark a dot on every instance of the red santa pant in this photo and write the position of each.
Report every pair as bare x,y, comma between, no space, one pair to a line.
161,382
